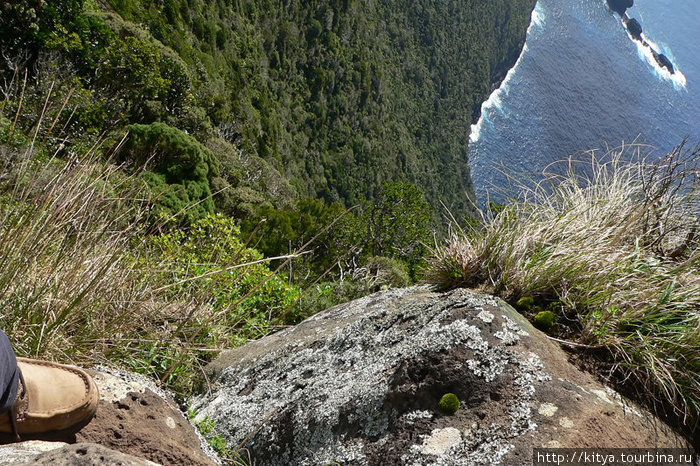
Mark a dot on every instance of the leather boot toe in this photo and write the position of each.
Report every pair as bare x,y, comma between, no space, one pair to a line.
53,400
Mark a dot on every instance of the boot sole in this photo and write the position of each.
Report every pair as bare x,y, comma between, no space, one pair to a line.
66,435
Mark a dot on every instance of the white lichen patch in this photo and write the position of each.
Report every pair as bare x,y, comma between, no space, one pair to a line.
469,431
485,316
113,388
440,440
602,395
510,333
488,445
626,405
566,423
521,419
612,393
547,409
488,368
413,416
507,337
513,327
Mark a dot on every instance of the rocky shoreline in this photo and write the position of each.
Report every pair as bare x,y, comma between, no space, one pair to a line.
635,31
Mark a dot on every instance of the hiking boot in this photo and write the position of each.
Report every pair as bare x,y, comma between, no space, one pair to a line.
53,401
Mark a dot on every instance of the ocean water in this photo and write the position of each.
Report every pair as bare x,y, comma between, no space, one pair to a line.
582,83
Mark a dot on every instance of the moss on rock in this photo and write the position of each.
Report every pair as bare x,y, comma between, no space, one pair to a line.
525,303
449,403
544,320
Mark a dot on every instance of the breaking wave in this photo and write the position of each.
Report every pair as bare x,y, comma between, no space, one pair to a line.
495,101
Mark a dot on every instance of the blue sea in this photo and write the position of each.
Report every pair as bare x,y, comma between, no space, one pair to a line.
582,83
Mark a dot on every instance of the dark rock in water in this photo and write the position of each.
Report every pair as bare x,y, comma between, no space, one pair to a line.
663,60
634,28
620,6
360,384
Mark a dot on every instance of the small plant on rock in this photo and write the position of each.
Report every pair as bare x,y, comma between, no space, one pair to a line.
449,403
525,303
544,320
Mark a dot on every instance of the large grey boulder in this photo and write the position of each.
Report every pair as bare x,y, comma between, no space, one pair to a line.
360,384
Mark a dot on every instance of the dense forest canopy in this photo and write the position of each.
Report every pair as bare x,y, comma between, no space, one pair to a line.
328,100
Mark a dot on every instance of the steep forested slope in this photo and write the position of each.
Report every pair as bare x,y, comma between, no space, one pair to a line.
143,143
343,95
337,96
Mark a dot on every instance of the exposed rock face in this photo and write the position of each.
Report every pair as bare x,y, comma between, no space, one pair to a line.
663,60
620,6
135,424
86,454
634,28
360,384
140,420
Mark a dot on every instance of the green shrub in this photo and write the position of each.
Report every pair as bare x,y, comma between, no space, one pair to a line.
81,281
377,274
216,441
398,224
179,168
209,260
448,404
387,271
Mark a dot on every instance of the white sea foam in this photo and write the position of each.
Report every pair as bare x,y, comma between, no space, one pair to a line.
495,101
538,17
678,79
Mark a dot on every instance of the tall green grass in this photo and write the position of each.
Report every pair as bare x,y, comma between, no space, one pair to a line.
611,246
64,237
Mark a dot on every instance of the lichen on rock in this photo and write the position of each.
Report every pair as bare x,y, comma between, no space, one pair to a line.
360,384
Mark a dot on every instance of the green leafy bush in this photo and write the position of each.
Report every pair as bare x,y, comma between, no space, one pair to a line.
216,441
179,168
210,261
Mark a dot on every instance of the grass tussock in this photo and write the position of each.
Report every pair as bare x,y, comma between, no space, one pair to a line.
84,278
610,246
64,237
